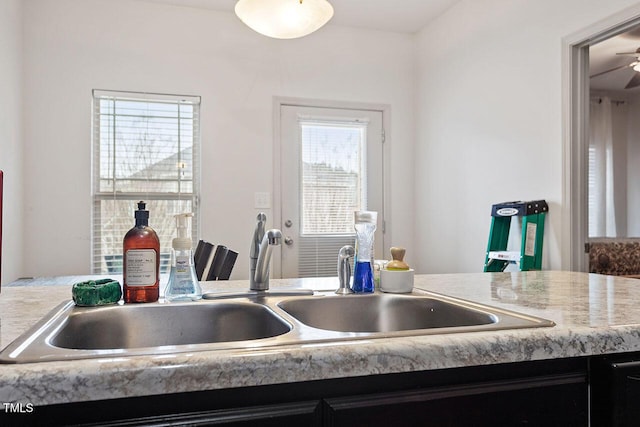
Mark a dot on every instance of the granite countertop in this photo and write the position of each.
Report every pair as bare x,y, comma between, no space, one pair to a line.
594,315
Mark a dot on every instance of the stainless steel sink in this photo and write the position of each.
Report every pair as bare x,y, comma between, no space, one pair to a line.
70,332
137,326
250,322
384,313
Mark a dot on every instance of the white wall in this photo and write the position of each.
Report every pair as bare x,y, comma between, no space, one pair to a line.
488,114
74,46
11,136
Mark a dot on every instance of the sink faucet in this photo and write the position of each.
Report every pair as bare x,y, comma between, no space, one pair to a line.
259,261
260,254
344,269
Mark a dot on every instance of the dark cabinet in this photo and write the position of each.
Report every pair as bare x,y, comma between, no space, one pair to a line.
294,414
549,393
153,411
549,401
615,391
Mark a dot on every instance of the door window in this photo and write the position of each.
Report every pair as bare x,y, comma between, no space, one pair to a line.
331,166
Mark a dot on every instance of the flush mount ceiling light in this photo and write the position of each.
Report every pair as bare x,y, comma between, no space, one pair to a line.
284,19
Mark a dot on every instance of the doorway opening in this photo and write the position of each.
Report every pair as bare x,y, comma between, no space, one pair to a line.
580,185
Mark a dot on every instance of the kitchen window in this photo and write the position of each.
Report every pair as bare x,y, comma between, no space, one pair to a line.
145,147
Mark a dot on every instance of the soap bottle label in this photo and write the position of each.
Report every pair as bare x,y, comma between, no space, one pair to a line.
141,267
182,265
183,282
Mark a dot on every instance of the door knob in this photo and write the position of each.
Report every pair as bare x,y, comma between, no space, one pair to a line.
288,241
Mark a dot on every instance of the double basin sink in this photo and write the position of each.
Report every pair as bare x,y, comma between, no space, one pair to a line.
250,322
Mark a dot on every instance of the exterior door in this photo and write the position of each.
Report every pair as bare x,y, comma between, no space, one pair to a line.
331,165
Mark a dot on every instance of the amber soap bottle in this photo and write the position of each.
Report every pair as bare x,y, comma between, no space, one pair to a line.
141,260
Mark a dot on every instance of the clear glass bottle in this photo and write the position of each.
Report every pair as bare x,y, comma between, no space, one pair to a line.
141,260
183,284
365,225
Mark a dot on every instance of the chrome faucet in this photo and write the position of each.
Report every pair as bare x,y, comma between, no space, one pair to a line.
344,269
262,246
260,254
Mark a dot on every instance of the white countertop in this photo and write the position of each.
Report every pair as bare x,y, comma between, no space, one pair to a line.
594,315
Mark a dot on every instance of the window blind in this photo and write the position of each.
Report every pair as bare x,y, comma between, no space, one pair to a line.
145,147
592,202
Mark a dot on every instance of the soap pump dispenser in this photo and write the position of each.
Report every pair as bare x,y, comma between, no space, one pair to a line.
183,282
141,260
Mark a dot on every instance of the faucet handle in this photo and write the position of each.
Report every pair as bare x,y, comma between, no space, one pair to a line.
272,237
344,269
258,235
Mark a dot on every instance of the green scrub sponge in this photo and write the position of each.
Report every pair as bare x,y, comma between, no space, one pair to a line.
96,292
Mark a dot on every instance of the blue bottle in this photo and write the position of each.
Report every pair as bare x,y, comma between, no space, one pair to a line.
365,225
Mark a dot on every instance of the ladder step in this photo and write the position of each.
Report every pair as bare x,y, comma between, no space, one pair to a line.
505,255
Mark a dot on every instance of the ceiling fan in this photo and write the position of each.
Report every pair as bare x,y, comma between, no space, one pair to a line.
635,80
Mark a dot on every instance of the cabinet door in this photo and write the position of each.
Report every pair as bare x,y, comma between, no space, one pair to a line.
616,394
549,401
294,414
276,415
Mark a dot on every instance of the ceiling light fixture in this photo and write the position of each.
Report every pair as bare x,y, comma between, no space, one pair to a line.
284,19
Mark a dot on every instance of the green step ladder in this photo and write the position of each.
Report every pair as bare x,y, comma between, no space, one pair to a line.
530,255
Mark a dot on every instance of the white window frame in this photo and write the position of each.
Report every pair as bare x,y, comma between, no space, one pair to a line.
97,260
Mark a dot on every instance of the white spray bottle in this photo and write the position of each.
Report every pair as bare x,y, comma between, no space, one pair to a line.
183,282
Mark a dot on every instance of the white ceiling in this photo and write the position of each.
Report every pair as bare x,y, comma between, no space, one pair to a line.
404,16
410,16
